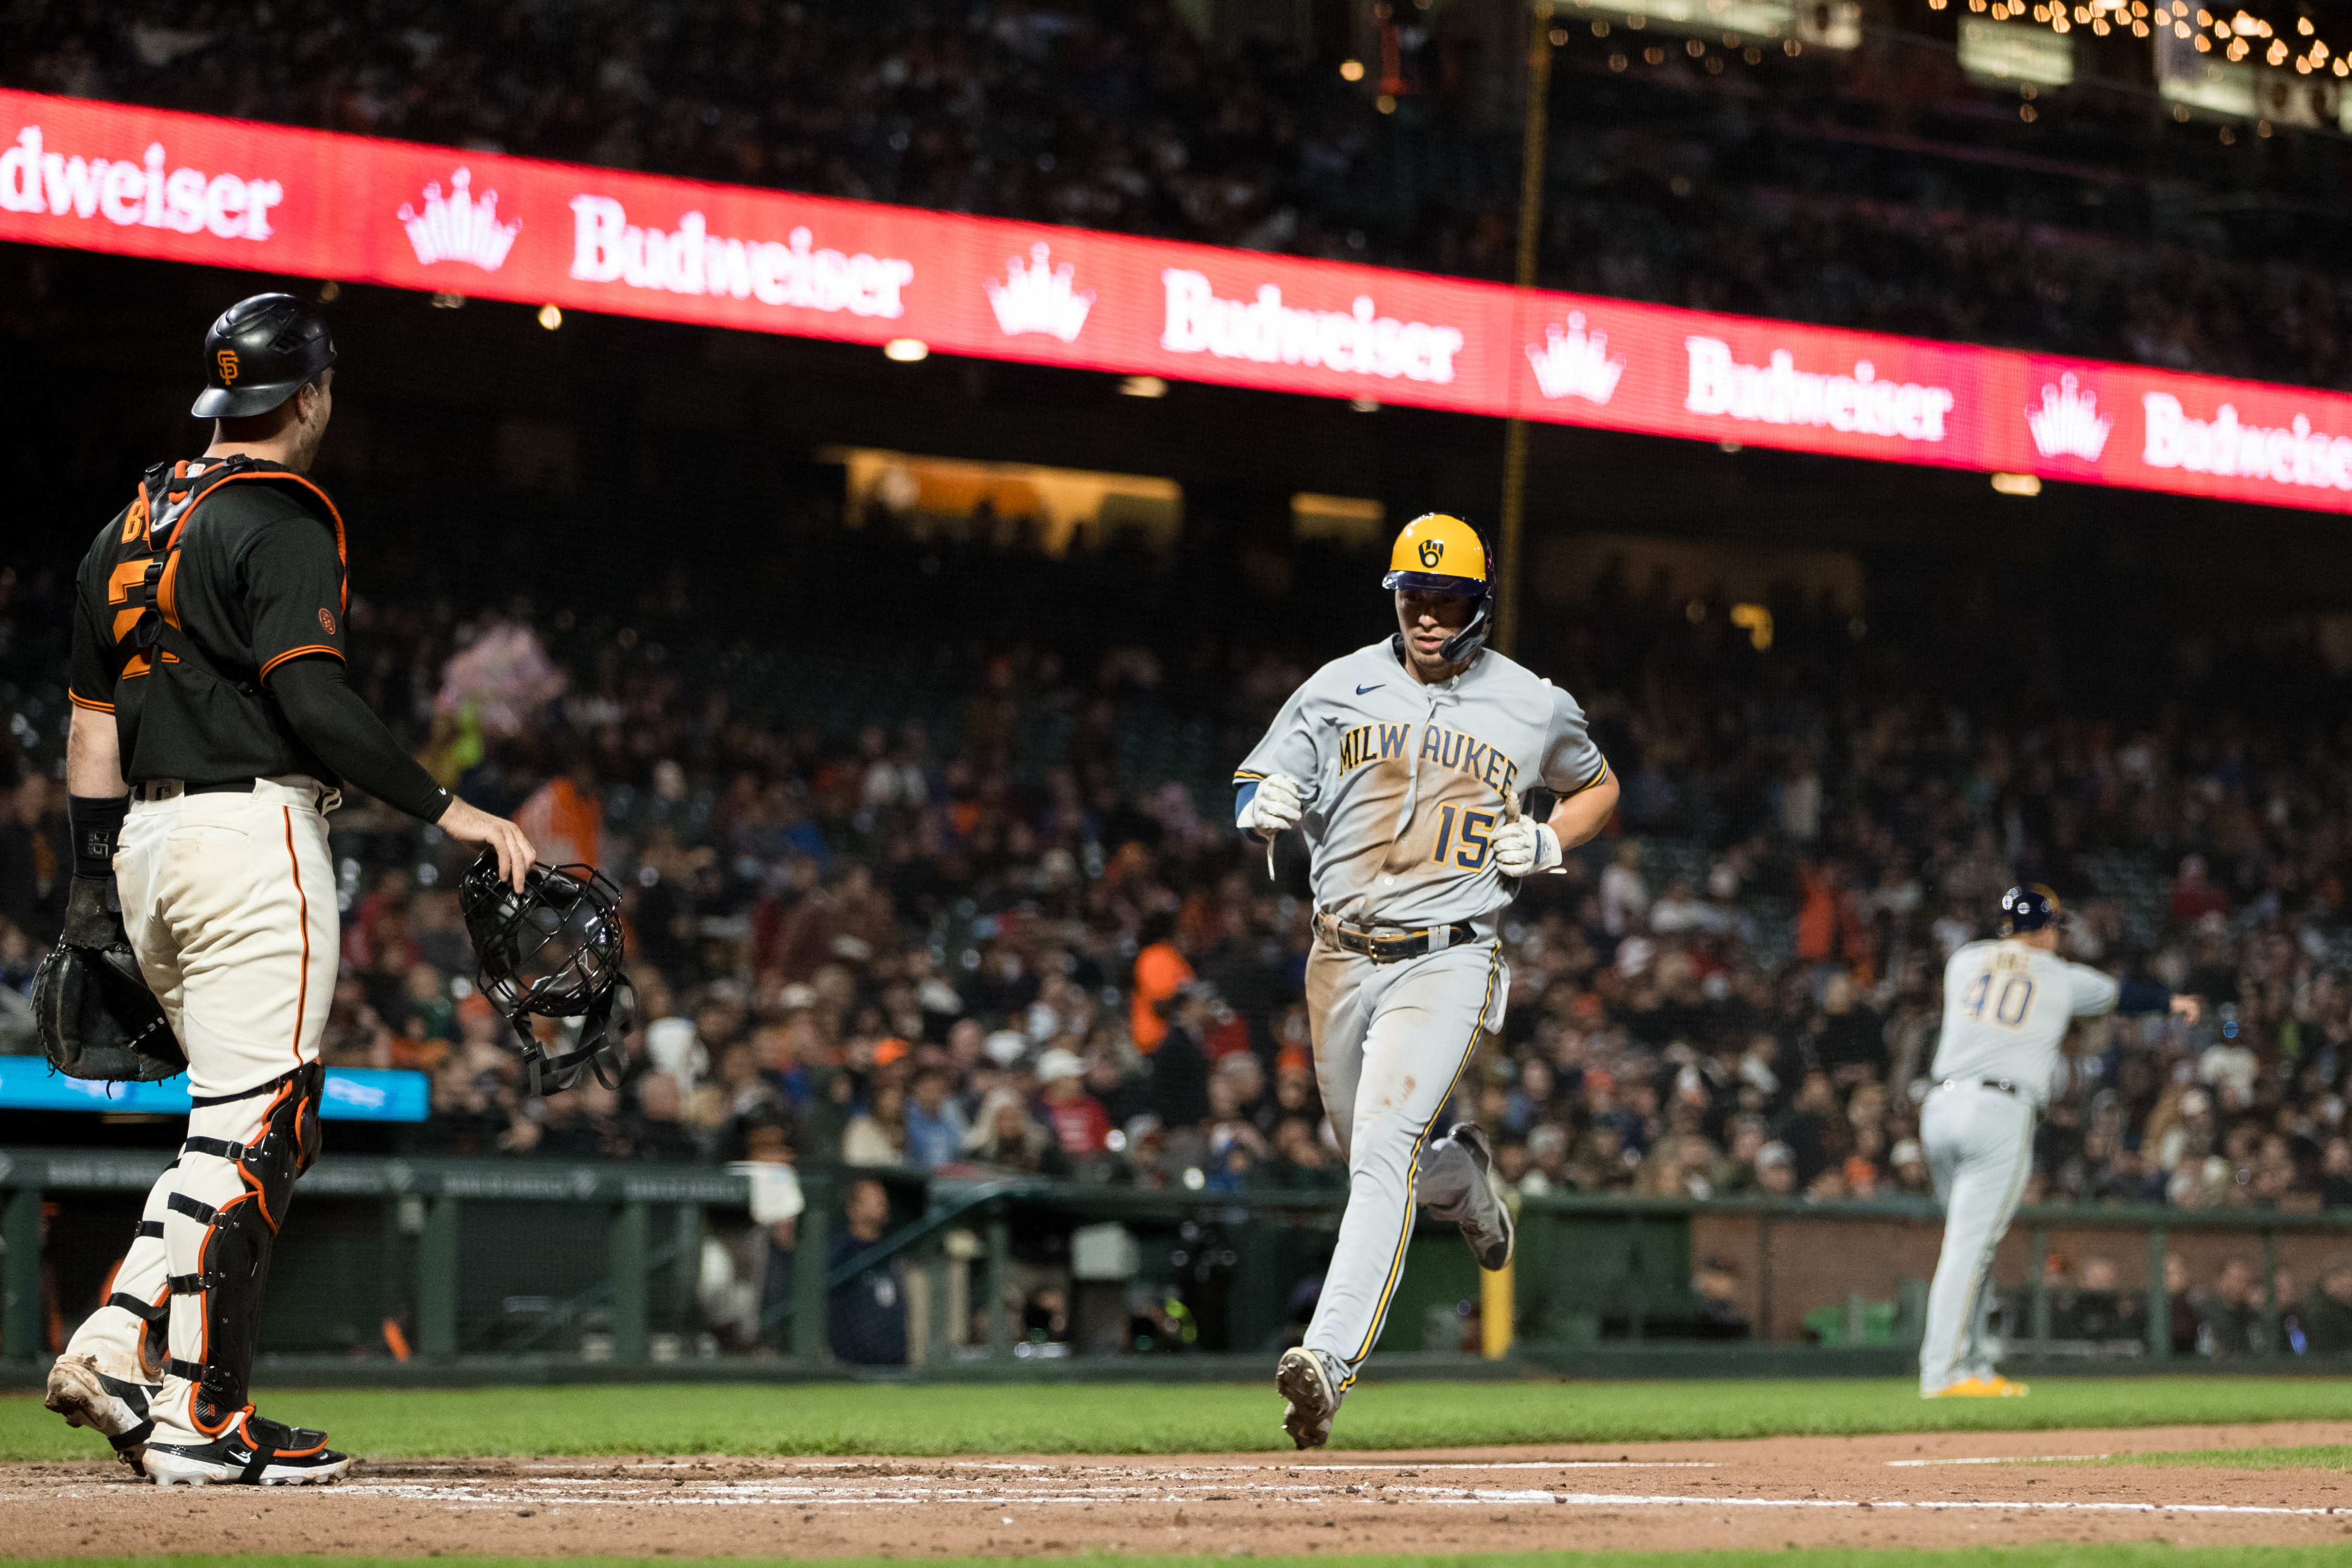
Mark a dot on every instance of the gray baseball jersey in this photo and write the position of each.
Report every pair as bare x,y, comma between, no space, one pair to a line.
2006,1008
1402,784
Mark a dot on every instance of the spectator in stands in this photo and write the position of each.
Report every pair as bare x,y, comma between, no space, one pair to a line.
1080,1122
878,1135
2194,896
935,1124
2229,1312
1007,1138
867,1317
1160,971
2325,1314
33,848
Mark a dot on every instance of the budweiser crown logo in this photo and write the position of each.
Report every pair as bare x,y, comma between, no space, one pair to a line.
227,359
2069,424
1573,363
461,227
1039,298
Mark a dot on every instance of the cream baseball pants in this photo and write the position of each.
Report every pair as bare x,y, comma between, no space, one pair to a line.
228,900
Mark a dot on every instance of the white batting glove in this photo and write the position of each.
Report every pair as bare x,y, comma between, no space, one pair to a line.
1524,849
1273,809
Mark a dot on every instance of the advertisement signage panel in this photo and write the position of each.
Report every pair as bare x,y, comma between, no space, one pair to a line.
185,188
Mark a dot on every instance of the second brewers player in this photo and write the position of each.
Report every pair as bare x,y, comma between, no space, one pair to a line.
1403,763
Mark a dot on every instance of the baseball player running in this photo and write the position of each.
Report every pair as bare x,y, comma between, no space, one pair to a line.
211,729
2007,1004
1404,762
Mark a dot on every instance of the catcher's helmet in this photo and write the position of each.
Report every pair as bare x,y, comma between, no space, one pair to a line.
1438,553
552,950
2027,909
258,355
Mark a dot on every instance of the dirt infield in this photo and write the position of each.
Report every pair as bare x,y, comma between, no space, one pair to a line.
1881,1491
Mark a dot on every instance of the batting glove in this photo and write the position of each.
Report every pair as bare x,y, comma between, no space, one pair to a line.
1273,809
1526,848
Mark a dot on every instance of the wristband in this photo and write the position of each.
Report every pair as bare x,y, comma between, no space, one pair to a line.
95,823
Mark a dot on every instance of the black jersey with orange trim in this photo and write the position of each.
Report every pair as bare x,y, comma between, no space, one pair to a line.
248,576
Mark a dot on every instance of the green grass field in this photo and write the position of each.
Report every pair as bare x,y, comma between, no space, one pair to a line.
1152,1418
2307,1456
2054,1555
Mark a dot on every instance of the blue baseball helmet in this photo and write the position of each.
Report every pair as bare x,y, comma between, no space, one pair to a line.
2027,909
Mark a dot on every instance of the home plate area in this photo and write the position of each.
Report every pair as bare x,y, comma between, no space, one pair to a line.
1923,1490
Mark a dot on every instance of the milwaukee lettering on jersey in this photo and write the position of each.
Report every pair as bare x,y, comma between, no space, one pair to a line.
1467,755
1359,341
2297,455
228,207
607,247
1373,743
1778,392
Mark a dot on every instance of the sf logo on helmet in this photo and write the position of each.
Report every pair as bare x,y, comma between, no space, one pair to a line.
1432,550
227,358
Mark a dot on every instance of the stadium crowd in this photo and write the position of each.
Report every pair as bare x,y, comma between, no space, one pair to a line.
1879,188
982,932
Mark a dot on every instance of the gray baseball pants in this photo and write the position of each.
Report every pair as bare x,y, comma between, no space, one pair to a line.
1391,1042
1979,1147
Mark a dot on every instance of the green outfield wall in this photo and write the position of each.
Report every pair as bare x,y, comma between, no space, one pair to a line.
462,1270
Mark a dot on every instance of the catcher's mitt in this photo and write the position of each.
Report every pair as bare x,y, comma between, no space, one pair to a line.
98,1020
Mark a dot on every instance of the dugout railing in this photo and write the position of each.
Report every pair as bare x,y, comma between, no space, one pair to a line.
440,1269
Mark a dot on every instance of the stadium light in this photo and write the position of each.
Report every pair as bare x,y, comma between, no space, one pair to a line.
907,350
1351,70
549,316
2017,484
1142,387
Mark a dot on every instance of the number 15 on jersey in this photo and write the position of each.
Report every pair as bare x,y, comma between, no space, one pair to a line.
1467,844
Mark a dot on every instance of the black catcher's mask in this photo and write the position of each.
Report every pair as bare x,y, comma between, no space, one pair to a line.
554,951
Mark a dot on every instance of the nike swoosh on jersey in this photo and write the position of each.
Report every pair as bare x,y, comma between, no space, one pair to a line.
1373,687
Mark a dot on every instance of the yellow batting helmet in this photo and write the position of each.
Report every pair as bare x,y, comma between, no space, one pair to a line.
1439,554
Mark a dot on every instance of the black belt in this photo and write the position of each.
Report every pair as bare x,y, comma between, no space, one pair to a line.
2004,1085
160,789
1386,948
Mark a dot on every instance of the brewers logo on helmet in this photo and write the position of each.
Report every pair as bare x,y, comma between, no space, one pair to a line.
1439,554
2027,909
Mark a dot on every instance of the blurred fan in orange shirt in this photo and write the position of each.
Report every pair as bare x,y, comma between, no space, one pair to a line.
1160,971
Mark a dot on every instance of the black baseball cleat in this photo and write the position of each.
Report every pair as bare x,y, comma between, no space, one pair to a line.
1489,1230
114,1407
253,1452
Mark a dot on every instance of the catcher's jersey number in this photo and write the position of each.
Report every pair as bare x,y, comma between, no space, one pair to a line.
1466,844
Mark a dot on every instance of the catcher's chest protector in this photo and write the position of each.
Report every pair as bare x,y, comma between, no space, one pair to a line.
142,588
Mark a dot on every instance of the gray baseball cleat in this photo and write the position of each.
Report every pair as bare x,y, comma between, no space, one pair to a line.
1489,1230
114,1407
1310,1380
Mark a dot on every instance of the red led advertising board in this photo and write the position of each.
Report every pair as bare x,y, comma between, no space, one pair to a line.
183,187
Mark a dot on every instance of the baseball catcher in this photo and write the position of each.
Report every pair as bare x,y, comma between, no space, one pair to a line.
212,732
